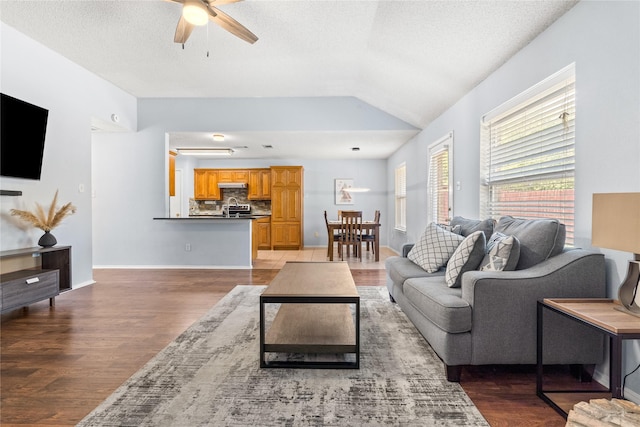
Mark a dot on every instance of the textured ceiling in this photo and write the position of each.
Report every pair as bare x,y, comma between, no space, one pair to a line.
410,59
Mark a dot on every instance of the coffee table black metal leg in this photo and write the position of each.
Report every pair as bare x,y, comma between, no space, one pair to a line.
262,332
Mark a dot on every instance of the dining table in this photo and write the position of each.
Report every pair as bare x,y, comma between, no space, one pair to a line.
368,226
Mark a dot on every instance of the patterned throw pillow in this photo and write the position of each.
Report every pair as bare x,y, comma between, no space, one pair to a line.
503,253
467,256
434,248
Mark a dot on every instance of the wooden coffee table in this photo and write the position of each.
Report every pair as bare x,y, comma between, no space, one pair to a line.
314,317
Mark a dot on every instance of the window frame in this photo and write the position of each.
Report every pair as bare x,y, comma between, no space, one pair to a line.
400,200
527,154
444,144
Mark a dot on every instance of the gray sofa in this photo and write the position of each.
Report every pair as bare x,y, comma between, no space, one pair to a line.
491,317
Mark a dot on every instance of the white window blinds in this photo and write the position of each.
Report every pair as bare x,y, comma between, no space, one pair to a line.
528,157
401,197
439,181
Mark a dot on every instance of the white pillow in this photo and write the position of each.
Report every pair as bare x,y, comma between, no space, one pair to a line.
503,253
434,248
467,256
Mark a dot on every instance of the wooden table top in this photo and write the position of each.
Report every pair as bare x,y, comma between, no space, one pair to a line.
313,279
602,312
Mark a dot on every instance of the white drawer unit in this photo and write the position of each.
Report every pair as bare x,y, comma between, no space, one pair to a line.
24,287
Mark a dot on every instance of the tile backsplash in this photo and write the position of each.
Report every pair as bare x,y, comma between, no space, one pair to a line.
257,206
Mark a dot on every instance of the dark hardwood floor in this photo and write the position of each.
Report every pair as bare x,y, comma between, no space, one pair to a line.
59,363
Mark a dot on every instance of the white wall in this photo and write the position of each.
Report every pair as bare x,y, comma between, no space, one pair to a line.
32,72
603,40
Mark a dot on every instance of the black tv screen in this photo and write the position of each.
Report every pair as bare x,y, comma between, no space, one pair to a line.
22,131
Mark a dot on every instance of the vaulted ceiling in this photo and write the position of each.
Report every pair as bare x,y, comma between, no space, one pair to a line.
409,59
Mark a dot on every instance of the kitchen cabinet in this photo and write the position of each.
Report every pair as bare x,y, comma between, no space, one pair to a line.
205,184
286,207
260,236
172,173
259,184
233,175
263,226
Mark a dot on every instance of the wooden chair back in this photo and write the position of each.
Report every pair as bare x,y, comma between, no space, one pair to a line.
351,231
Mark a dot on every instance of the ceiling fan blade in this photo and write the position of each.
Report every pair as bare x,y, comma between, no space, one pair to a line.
231,25
183,30
220,2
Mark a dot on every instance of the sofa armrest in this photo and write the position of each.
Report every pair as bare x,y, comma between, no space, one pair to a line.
504,303
406,248
572,274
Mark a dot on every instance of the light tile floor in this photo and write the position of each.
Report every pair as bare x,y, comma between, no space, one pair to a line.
276,259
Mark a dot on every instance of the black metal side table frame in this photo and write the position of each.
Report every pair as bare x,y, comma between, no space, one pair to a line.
615,357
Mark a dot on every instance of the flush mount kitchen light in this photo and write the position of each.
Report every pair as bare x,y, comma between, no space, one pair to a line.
205,151
195,12
218,137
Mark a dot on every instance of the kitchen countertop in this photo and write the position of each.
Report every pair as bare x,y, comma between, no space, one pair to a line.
214,217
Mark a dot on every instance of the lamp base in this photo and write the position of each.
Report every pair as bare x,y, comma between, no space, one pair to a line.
627,293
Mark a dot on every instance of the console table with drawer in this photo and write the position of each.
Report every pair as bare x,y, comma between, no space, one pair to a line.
51,276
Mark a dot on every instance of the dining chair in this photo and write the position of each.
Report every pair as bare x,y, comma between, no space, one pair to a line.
350,233
370,236
331,236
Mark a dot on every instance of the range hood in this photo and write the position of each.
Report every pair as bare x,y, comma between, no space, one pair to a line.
232,185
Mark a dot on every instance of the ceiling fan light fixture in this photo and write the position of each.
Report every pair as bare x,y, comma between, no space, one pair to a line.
195,12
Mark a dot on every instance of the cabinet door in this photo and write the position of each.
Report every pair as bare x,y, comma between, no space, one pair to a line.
285,235
199,183
264,235
213,192
265,183
233,175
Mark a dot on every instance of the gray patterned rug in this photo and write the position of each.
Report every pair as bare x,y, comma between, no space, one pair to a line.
210,376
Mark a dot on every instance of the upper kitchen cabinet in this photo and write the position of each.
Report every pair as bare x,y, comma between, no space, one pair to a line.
286,207
286,175
205,184
259,184
233,175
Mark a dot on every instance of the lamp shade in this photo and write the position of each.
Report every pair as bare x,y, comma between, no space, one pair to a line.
616,221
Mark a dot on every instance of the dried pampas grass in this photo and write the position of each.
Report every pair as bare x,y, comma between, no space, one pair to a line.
46,221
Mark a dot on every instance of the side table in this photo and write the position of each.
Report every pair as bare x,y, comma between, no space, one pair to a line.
602,315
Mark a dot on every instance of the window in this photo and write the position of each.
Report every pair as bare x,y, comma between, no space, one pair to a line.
439,181
528,154
401,197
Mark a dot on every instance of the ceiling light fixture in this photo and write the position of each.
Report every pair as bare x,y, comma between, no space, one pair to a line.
195,12
205,151
218,137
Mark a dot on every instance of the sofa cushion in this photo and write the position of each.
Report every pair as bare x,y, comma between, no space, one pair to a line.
435,247
400,269
539,238
442,305
467,256
468,226
503,253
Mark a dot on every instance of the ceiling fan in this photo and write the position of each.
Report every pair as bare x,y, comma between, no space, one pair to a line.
199,12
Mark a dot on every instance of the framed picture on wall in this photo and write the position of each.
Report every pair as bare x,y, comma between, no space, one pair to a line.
343,197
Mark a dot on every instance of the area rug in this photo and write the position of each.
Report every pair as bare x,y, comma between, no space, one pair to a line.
210,376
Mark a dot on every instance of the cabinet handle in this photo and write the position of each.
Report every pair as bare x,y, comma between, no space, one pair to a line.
32,280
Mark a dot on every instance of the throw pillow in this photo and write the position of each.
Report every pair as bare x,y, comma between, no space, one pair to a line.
503,253
434,248
467,256
452,228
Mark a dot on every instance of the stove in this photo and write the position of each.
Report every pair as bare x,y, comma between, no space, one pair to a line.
239,209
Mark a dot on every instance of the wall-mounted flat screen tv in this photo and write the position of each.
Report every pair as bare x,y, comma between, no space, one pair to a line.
23,127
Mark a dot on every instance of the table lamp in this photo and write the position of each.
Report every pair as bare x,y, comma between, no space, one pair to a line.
616,225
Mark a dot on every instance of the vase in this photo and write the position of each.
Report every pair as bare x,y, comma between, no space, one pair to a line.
47,240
